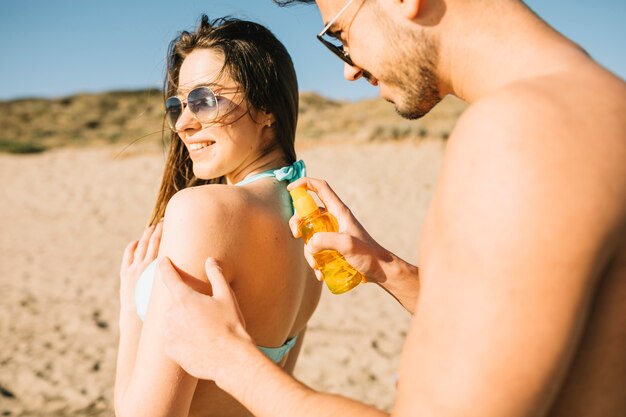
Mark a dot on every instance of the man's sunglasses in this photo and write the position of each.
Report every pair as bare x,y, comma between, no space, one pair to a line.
202,101
331,42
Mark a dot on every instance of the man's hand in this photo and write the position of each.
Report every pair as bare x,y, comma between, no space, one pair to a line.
352,241
202,332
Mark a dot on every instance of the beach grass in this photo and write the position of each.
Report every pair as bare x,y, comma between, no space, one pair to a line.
136,118
20,147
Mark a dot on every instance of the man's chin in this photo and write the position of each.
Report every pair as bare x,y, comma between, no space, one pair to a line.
414,109
411,114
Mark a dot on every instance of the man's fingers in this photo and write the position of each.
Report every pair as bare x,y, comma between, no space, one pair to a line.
340,242
346,245
172,280
330,199
309,258
293,225
319,275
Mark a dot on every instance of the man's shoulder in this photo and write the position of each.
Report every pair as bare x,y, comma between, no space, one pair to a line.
547,129
541,156
514,111
569,104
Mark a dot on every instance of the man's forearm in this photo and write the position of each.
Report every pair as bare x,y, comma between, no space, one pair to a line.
401,281
267,391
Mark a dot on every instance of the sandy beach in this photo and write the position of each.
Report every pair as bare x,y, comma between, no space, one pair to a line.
67,214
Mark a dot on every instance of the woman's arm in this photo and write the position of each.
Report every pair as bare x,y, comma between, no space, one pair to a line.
130,330
195,226
137,256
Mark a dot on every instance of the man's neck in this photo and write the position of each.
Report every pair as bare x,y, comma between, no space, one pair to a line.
486,50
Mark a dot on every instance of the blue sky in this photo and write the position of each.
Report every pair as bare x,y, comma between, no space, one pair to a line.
53,48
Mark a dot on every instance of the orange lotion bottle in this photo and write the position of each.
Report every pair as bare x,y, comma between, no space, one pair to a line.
339,275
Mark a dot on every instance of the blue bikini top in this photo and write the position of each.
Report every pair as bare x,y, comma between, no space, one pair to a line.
143,288
288,173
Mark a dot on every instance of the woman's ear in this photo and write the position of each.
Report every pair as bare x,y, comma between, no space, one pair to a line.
268,119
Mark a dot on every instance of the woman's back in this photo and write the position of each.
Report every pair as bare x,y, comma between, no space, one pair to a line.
276,290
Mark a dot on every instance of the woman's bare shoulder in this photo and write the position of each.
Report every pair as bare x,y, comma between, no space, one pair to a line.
215,198
210,220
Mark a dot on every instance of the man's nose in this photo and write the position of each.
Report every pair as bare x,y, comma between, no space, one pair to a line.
351,73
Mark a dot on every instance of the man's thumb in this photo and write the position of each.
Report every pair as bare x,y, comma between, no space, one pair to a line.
221,287
171,278
216,279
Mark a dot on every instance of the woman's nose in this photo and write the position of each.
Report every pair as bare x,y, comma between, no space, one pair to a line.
187,120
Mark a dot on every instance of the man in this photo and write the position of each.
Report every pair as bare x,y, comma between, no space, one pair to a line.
519,300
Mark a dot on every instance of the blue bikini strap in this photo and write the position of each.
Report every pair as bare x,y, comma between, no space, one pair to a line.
288,173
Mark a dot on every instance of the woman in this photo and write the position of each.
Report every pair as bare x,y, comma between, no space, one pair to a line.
232,104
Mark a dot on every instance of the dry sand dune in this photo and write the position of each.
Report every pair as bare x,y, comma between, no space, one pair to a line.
66,216
33,125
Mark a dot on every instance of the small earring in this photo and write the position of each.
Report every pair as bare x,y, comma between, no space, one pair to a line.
268,123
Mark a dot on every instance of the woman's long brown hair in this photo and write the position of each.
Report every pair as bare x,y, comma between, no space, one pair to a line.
261,66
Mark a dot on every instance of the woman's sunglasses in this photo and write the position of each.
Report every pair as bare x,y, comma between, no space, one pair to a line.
202,101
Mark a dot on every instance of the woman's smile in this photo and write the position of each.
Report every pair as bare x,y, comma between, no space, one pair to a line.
195,148
199,145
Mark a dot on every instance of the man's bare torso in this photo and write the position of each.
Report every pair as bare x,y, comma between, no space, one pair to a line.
595,381
569,134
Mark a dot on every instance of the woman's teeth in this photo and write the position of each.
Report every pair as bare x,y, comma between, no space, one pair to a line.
199,145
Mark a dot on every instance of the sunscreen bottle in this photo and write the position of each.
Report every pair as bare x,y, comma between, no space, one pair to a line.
339,275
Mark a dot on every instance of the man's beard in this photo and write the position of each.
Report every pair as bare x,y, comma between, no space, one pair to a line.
420,95
413,73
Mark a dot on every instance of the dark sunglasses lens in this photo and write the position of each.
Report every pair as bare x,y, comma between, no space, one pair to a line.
173,110
203,103
336,47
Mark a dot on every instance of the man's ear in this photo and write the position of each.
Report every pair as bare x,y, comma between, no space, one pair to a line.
409,9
